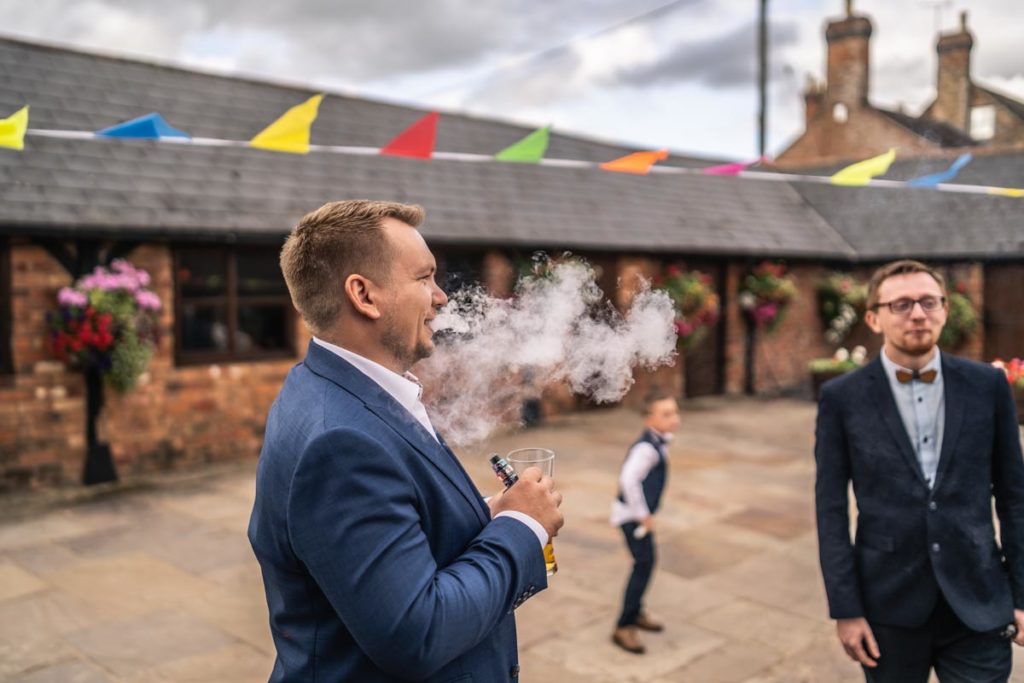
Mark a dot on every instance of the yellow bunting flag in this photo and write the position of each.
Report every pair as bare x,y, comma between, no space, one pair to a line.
862,172
1007,191
12,129
637,162
290,132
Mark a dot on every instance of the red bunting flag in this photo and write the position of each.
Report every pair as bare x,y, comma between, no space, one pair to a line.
416,141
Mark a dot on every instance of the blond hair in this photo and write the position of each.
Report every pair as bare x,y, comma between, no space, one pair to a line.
329,244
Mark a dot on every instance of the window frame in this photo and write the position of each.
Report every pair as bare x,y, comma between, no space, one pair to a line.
232,301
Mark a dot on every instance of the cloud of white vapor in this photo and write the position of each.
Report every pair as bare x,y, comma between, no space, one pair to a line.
492,354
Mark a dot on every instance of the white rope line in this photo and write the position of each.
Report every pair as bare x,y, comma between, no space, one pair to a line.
556,163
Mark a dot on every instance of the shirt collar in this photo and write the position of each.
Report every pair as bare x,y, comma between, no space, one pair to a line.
890,367
406,389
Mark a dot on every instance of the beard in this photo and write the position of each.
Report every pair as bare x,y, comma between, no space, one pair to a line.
917,345
395,341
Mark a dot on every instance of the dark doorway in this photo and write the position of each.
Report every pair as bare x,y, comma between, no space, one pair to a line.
704,365
1004,319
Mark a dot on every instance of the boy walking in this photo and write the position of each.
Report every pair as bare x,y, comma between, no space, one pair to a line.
641,484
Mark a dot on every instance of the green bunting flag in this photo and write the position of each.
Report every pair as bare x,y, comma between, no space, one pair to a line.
529,150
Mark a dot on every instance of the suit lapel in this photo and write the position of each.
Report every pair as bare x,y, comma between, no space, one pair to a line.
378,401
954,392
885,402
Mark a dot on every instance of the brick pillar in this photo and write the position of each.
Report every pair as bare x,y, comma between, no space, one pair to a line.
735,330
498,274
632,271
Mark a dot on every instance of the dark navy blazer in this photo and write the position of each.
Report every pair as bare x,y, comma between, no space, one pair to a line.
379,557
911,541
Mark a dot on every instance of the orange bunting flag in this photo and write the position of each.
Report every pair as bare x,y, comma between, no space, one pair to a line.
639,163
416,141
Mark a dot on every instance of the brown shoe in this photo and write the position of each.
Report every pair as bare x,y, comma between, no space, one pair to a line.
646,623
626,638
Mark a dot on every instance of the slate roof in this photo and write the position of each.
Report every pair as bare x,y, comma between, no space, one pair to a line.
939,132
158,190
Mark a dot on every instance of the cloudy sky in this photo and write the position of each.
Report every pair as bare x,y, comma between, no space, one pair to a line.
651,73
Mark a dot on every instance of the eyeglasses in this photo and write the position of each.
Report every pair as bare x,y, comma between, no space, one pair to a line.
929,304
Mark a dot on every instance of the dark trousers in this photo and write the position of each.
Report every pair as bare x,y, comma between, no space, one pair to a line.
642,551
958,654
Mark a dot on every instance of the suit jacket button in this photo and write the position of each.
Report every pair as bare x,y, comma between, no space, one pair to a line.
514,671
935,547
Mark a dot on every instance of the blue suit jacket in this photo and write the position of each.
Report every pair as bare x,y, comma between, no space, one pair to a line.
912,541
379,557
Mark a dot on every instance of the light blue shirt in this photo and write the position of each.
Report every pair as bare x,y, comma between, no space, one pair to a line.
922,408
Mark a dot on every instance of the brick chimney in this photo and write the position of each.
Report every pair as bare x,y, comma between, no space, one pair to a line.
847,70
952,103
814,99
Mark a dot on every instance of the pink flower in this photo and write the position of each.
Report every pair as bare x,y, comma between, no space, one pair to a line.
72,297
147,300
765,313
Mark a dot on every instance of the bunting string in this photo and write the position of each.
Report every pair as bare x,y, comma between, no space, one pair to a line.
740,170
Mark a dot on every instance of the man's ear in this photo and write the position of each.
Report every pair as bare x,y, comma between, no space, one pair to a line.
871,318
364,295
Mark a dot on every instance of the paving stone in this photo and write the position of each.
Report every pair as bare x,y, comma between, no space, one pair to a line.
130,645
733,662
745,620
15,582
231,664
64,672
128,585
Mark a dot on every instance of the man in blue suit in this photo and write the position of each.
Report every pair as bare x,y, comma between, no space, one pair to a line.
927,440
381,561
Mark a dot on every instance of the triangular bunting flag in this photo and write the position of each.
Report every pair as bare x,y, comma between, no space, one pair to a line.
416,141
637,162
148,127
529,150
862,172
290,132
942,176
1007,191
730,169
12,129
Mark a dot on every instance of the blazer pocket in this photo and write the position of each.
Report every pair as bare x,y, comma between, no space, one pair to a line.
876,541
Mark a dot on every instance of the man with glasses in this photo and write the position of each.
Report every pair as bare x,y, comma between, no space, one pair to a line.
927,439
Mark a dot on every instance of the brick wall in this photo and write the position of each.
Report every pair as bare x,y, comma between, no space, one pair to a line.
176,417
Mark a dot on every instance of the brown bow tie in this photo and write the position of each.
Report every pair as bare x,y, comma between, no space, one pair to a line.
905,377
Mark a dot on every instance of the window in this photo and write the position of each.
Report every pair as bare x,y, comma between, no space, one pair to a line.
6,356
983,122
840,114
231,304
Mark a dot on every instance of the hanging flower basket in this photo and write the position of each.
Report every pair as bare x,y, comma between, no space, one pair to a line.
1014,369
765,293
962,320
696,302
107,321
841,301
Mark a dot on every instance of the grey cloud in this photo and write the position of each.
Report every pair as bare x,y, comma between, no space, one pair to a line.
722,61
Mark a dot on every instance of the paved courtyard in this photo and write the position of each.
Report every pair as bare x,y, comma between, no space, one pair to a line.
156,582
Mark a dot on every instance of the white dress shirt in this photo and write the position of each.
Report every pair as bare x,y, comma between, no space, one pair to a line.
922,408
640,460
407,390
